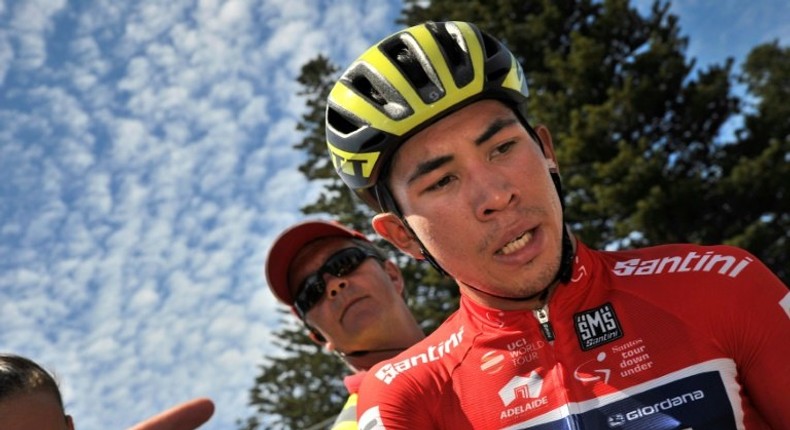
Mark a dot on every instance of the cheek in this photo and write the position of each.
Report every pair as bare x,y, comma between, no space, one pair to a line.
319,316
443,234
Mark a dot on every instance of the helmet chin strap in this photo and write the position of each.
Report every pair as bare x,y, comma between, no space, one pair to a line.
566,261
387,202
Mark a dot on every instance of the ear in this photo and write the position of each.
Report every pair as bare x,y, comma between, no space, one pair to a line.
329,346
395,275
391,228
69,422
548,148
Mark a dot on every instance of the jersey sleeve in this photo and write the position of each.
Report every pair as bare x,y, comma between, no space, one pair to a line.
761,341
399,405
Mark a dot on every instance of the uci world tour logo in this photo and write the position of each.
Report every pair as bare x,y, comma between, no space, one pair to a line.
596,327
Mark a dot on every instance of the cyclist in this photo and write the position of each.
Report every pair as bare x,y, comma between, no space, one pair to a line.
430,128
347,294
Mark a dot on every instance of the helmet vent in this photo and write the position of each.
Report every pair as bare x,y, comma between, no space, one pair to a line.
498,60
456,53
369,84
339,122
407,55
491,46
363,86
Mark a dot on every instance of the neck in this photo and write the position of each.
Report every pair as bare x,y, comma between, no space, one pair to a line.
535,300
403,334
365,359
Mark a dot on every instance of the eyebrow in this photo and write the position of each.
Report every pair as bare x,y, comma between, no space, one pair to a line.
428,166
495,127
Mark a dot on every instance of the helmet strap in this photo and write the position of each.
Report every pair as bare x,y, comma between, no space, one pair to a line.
566,260
388,204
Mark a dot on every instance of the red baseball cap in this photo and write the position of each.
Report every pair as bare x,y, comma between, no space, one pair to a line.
289,243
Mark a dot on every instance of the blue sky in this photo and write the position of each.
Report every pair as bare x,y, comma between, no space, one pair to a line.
147,164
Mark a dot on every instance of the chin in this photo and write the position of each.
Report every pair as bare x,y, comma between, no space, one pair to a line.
541,279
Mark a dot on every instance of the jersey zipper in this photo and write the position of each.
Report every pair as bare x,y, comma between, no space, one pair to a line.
542,315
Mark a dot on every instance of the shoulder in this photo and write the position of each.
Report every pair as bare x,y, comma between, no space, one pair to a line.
690,259
395,391
726,274
425,358
424,367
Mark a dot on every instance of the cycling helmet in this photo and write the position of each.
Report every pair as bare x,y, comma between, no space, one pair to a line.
405,83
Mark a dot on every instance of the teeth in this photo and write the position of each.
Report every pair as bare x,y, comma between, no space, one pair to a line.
517,243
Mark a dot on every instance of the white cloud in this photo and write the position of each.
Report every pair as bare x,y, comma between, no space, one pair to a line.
30,23
6,55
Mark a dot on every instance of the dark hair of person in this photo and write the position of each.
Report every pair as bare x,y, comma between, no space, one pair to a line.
20,375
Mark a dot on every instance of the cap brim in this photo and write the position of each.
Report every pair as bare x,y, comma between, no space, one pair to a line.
289,243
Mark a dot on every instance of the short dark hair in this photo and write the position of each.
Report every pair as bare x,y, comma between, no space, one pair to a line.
20,375
371,247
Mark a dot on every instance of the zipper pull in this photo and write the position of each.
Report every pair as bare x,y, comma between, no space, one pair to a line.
542,315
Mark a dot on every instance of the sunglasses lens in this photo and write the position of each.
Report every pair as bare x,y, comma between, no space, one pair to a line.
339,264
344,262
311,292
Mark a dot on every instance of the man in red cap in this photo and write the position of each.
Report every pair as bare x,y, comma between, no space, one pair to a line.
348,295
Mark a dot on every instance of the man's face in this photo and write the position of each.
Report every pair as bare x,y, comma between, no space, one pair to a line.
476,189
357,310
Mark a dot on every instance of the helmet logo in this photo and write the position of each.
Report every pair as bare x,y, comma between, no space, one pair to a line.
353,164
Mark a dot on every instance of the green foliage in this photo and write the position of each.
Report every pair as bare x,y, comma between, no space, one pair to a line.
298,388
755,209
638,134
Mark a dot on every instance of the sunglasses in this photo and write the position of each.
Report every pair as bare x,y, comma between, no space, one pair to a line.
339,264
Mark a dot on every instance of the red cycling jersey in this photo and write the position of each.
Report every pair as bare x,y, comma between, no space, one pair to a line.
669,337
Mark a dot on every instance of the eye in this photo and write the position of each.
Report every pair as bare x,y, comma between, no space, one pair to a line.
441,183
503,148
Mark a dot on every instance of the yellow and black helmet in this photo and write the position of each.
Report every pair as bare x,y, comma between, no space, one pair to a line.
407,82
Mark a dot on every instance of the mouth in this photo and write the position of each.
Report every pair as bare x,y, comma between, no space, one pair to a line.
519,242
349,306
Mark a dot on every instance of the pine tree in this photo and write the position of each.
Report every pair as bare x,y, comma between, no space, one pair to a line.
755,199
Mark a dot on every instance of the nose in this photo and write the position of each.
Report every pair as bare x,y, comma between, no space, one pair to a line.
334,285
493,192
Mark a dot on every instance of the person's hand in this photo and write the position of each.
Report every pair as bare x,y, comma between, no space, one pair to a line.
186,416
